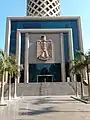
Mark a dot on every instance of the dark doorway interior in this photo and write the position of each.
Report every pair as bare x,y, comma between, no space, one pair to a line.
45,76
46,71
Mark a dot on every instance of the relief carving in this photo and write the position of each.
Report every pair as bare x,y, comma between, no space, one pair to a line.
44,49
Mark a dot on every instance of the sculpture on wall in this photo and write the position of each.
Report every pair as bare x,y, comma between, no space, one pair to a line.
44,49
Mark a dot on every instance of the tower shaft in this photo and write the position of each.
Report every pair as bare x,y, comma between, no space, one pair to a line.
43,8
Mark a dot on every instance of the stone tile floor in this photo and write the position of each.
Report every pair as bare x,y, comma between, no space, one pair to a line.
45,108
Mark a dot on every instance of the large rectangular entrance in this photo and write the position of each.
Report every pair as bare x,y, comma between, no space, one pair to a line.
50,72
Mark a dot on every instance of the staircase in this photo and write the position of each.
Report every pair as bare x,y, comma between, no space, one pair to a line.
47,89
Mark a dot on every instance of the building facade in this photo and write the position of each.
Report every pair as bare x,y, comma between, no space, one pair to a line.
50,64
44,42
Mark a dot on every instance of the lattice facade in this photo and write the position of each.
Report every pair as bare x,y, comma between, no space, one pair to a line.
43,8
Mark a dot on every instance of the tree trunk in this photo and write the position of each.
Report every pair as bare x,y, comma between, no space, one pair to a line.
2,89
76,84
15,93
88,82
76,89
9,92
82,86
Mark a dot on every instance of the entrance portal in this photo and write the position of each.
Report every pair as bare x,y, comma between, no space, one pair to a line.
50,72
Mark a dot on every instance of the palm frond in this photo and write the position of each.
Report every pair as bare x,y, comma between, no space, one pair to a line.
79,52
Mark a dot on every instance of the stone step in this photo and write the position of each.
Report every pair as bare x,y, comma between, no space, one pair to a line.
45,89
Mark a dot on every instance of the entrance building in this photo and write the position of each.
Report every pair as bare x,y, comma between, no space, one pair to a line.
44,42
63,37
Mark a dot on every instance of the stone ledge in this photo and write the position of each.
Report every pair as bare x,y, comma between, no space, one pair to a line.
86,101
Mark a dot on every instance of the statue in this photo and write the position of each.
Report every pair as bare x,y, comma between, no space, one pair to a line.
44,49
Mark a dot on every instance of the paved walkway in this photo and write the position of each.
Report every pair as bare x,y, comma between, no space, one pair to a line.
45,108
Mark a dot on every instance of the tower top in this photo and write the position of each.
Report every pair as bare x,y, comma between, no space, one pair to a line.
43,8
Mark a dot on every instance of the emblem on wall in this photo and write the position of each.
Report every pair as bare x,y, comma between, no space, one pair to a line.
44,49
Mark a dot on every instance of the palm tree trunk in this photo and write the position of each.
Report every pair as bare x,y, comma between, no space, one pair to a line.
82,86
2,89
9,93
15,93
76,89
88,86
76,84
88,82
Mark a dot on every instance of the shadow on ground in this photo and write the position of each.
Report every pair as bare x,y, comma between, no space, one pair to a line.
37,112
45,111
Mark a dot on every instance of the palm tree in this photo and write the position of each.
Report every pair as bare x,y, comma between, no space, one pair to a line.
8,64
13,70
4,65
75,72
77,68
10,71
86,62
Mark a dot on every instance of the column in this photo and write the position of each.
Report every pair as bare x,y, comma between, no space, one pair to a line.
18,52
7,42
71,53
26,64
7,36
63,73
80,35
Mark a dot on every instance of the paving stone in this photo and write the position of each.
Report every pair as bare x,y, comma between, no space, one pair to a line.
45,108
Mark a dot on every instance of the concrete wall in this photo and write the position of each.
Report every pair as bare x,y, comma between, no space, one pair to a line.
56,48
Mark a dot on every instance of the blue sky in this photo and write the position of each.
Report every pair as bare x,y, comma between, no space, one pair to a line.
68,8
